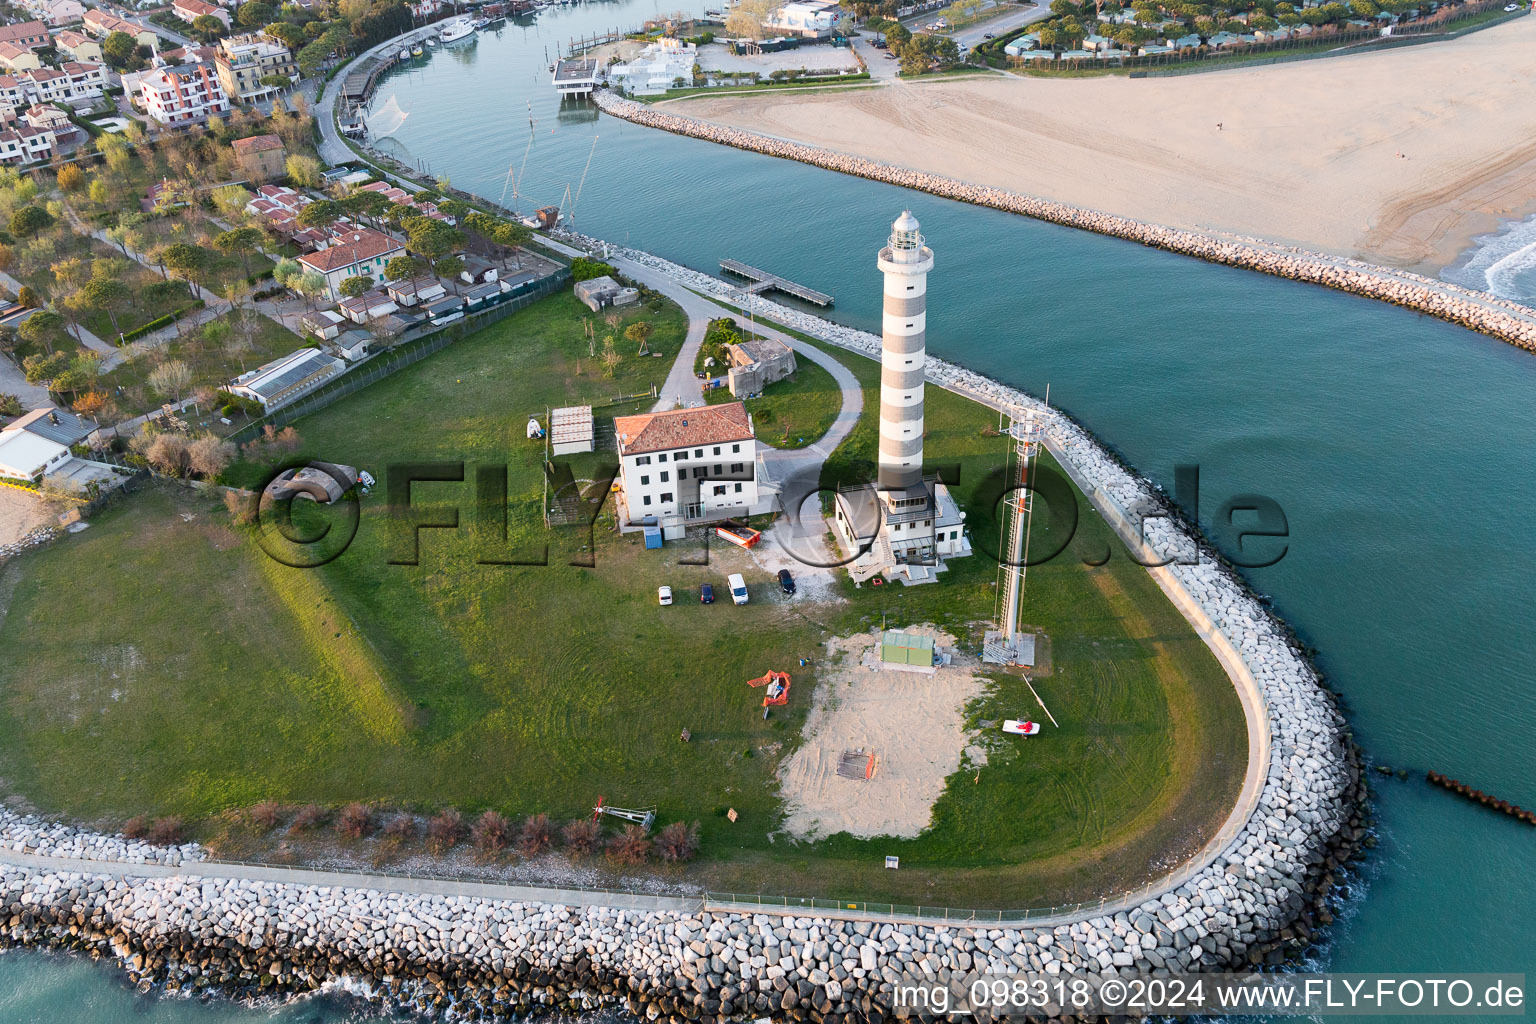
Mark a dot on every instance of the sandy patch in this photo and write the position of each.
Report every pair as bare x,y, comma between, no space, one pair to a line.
915,726
1439,147
20,512
780,548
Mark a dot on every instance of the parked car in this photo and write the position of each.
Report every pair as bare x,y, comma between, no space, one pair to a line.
738,588
990,35
664,596
1511,7
786,581
707,594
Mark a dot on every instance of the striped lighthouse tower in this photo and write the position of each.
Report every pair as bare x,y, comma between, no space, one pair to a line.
905,262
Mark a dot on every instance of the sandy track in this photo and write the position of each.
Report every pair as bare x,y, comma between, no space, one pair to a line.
19,513
1400,157
915,725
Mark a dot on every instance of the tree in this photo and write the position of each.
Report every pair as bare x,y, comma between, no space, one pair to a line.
120,50
678,842
310,284
240,242
42,328
29,220
207,28
288,34
38,367
209,455
107,295
638,332
71,178
230,200
363,203
303,170
254,14
28,297
355,286
168,452
450,267
171,378
611,357
187,262
403,268
748,18
285,270
321,213
430,238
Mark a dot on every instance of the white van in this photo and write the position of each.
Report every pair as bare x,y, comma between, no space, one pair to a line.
738,588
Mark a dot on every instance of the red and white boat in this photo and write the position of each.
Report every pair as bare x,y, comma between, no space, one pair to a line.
1013,725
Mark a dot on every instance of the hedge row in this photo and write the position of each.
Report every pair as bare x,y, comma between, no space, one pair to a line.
163,321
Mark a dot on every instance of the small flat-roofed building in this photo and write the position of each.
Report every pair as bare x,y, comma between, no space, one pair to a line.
443,310
570,429
481,294
282,380
416,290
324,324
907,652
368,306
575,77
353,345
757,363
477,270
598,292
27,456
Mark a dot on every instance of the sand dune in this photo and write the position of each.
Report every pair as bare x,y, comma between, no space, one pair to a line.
1399,156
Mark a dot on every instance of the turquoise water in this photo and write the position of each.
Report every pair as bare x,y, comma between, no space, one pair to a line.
1399,447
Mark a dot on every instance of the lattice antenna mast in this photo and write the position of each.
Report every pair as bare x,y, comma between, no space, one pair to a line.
1002,644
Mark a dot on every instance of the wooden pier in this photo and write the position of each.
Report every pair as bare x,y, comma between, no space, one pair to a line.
763,281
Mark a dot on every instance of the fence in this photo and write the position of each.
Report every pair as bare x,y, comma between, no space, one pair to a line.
413,346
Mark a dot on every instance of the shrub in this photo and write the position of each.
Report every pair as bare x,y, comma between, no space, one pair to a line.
584,269
489,832
165,831
136,827
309,816
400,828
678,842
445,830
354,822
535,837
632,846
582,836
265,813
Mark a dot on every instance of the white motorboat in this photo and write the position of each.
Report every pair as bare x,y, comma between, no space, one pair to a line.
457,29
405,54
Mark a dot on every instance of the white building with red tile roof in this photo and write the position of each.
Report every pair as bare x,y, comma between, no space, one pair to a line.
688,465
188,10
353,251
182,95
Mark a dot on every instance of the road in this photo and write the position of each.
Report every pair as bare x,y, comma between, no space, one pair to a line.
976,34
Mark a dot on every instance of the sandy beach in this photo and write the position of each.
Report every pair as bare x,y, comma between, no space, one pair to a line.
1399,157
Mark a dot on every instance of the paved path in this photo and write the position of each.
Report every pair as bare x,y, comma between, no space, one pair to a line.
14,382
86,338
358,880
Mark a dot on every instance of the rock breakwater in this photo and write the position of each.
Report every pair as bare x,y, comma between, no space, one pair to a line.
1478,311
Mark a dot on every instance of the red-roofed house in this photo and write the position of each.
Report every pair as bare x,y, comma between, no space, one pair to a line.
31,34
688,465
353,252
261,157
188,10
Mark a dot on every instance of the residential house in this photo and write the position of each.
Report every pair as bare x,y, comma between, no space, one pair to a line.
396,324
688,465
1094,43
54,424
22,144
443,310
190,10
101,24
324,324
71,83
368,306
811,19
1153,50
282,380
246,64
79,47
1028,41
1187,42
56,12
353,251
48,117
15,57
353,345
31,34
478,271
261,157
416,291
182,95
477,296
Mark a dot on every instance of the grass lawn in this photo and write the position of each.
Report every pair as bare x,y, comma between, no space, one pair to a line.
793,412
540,687
250,342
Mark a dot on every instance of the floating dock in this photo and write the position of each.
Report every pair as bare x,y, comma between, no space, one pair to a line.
763,281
